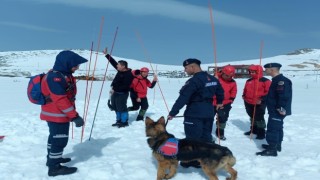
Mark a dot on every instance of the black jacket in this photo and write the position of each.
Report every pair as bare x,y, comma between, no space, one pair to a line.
122,80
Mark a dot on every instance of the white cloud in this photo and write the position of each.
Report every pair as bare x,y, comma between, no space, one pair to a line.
29,26
172,9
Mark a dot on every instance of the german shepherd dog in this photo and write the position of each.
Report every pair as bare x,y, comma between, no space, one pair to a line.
212,157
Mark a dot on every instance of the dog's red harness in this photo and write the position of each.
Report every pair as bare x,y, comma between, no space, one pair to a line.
169,148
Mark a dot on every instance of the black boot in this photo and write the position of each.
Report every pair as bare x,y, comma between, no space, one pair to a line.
61,160
247,133
254,131
141,114
117,123
222,137
61,170
270,151
139,118
123,124
266,146
261,133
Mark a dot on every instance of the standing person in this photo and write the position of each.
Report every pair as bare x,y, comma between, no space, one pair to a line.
254,95
140,86
120,91
197,94
229,86
279,101
59,88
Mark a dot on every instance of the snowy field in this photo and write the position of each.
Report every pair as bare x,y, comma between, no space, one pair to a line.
123,154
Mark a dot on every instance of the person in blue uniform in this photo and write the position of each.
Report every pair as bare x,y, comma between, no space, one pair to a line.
197,94
279,101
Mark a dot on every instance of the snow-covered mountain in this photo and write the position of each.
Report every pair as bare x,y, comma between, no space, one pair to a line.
26,63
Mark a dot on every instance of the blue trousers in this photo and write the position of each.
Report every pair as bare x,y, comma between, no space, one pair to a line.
198,129
274,133
57,141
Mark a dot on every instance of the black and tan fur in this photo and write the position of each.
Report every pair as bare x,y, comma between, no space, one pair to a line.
212,157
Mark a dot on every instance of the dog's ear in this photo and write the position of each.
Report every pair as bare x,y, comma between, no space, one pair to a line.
148,121
162,120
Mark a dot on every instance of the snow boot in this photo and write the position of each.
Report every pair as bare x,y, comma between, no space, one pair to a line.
222,137
123,124
266,146
139,118
270,151
261,133
141,114
61,160
61,170
117,123
249,132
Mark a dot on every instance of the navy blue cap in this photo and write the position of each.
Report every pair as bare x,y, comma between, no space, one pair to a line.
272,65
191,61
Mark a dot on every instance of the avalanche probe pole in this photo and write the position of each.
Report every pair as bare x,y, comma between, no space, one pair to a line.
104,78
94,68
215,59
256,93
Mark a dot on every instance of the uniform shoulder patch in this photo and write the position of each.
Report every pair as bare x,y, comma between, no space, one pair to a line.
281,83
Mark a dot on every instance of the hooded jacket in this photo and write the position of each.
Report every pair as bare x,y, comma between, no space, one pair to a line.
230,90
59,88
256,88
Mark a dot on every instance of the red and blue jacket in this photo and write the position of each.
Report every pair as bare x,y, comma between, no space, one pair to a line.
59,88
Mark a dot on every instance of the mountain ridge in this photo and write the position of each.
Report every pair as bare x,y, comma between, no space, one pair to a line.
27,63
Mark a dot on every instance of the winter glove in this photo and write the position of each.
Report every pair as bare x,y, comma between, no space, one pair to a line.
78,121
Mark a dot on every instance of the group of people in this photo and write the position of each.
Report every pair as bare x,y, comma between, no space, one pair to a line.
133,82
204,95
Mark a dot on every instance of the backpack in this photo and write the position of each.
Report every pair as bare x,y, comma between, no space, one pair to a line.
34,90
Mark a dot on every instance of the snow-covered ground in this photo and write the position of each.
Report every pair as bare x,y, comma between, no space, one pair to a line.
118,154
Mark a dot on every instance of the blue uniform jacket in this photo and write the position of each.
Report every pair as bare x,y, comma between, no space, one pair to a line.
197,94
279,95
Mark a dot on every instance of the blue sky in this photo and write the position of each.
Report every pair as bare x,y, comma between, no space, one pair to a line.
163,31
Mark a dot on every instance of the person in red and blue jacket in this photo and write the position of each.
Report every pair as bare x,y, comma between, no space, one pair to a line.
140,85
254,95
59,88
229,86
